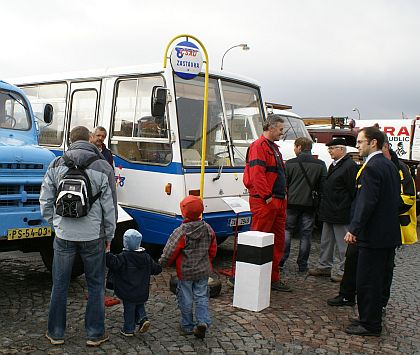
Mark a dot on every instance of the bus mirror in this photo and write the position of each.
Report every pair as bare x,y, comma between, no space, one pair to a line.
159,97
48,113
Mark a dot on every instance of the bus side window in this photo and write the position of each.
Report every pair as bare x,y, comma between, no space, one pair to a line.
132,120
152,127
54,94
127,150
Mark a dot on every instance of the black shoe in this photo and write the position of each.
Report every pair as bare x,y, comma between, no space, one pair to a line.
280,286
360,330
303,269
340,301
354,321
200,331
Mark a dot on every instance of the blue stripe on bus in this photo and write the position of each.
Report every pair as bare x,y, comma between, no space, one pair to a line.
172,168
156,228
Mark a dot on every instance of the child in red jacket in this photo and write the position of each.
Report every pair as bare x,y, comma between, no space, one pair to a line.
192,246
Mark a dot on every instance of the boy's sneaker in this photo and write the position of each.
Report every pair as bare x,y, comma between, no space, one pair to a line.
184,331
340,301
280,286
54,341
144,325
200,331
126,334
97,341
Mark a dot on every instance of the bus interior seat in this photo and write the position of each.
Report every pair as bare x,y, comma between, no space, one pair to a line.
191,156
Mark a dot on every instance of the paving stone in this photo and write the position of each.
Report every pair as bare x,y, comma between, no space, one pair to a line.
297,323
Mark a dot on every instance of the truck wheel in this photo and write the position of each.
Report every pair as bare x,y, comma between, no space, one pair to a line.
214,284
47,255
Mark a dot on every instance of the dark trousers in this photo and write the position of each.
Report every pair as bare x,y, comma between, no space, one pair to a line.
348,283
372,268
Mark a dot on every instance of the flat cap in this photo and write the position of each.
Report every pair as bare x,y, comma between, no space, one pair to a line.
336,141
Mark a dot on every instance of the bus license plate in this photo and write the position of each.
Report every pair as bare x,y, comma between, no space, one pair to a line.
24,233
241,221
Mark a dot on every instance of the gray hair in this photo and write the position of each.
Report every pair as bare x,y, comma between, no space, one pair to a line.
99,128
272,120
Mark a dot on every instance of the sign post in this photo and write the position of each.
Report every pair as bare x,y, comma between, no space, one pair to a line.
186,61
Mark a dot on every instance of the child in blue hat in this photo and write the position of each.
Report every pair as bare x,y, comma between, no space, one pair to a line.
131,270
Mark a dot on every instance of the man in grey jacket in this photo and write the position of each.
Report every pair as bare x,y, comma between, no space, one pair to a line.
89,236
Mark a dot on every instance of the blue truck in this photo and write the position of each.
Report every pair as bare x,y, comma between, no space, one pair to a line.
23,164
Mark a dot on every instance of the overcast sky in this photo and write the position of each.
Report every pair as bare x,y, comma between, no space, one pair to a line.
323,57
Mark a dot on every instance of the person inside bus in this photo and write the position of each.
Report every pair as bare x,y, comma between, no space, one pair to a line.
97,138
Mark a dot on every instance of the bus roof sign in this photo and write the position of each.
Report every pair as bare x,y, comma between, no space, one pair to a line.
186,60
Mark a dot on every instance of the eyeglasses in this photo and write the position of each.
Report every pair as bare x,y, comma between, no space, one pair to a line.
363,140
335,147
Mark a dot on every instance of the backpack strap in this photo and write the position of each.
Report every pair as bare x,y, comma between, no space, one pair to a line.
90,161
92,199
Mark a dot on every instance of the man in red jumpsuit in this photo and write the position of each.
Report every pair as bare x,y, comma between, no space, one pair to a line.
264,177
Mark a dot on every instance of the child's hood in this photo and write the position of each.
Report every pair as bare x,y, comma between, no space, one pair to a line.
194,229
139,249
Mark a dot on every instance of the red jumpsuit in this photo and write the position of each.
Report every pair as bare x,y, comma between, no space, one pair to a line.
264,177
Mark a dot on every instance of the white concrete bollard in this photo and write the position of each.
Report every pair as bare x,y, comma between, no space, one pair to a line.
254,257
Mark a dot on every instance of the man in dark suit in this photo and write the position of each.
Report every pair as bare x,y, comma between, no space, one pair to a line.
375,227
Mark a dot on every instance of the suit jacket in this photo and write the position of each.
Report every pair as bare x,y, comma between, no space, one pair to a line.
375,220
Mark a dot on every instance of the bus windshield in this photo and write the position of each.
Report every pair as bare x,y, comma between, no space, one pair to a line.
234,120
294,128
13,113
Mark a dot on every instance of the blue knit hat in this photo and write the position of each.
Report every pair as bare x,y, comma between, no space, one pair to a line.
132,239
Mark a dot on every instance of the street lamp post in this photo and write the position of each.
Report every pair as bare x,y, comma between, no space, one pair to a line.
244,47
358,112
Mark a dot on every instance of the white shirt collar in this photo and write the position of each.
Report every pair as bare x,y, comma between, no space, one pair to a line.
372,154
336,161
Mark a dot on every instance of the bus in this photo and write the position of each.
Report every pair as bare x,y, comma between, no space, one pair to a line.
154,123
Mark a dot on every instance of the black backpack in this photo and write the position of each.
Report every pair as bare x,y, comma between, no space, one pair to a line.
74,194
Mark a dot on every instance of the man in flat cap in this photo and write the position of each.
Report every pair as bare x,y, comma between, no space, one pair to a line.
334,211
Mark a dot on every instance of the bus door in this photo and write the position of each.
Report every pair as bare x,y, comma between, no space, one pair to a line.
84,105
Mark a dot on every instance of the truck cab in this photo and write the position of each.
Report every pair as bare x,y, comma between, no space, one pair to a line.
23,164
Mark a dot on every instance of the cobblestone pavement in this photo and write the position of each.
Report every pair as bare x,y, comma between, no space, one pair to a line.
296,323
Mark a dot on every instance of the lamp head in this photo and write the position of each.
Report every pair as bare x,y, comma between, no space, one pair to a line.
244,47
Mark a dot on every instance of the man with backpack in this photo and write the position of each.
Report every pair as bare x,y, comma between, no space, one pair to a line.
78,198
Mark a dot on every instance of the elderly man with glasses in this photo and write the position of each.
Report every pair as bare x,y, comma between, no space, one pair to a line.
334,211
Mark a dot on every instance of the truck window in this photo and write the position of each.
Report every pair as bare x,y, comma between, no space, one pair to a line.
13,114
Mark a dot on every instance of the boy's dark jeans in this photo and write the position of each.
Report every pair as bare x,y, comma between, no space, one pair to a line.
133,314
